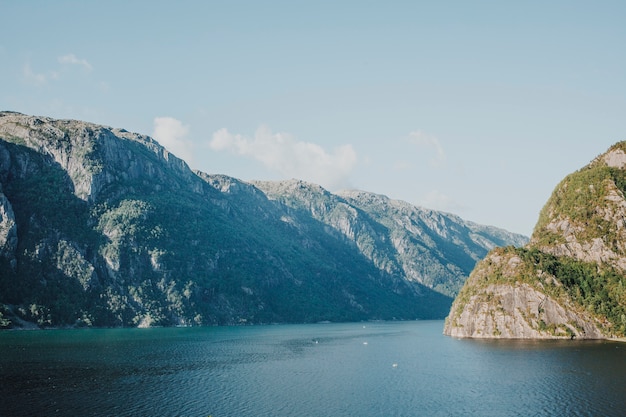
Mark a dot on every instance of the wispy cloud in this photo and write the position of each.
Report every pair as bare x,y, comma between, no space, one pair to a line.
171,133
428,142
71,59
37,78
282,153
437,200
40,78
402,166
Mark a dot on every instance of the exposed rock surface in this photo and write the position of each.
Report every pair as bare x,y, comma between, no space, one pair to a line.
512,308
81,150
568,282
8,230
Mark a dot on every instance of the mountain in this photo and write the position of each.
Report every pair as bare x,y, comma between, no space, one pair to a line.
103,227
568,282
433,248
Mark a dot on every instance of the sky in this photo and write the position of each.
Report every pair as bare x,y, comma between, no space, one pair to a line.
477,108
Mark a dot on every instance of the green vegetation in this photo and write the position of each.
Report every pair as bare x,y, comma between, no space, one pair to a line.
599,290
581,197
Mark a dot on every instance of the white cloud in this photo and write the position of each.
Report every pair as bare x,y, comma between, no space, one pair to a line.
104,87
171,133
402,166
424,140
282,153
41,78
437,200
37,78
71,59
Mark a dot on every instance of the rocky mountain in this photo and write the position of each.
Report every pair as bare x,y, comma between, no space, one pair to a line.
103,227
568,282
432,248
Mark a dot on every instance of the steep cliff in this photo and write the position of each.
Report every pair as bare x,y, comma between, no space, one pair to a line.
568,282
103,227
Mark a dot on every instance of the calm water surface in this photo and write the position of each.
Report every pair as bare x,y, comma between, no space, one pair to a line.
357,369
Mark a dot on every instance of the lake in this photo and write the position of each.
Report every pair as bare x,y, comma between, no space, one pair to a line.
346,369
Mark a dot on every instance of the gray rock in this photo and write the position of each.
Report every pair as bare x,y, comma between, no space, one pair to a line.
8,230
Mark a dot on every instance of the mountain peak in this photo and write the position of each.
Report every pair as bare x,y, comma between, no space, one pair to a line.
615,157
93,156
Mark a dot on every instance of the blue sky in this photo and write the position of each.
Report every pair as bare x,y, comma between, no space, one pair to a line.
478,108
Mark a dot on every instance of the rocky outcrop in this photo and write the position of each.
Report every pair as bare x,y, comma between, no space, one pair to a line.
568,282
522,313
509,307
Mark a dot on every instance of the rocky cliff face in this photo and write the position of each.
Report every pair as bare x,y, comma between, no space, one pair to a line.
8,230
102,227
508,297
568,282
82,151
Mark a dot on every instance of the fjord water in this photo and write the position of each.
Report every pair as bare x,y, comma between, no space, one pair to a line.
351,369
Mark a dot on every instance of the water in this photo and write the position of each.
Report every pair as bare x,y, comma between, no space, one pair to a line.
356,369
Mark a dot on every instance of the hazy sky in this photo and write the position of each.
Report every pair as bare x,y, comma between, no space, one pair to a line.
478,108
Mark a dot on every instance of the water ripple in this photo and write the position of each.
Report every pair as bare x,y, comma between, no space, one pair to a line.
390,369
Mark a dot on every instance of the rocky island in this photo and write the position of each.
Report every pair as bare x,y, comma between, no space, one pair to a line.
568,281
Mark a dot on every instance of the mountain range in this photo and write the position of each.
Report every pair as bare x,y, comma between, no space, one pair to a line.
103,227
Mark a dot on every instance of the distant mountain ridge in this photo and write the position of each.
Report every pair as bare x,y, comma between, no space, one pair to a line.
103,227
433,248
569,281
